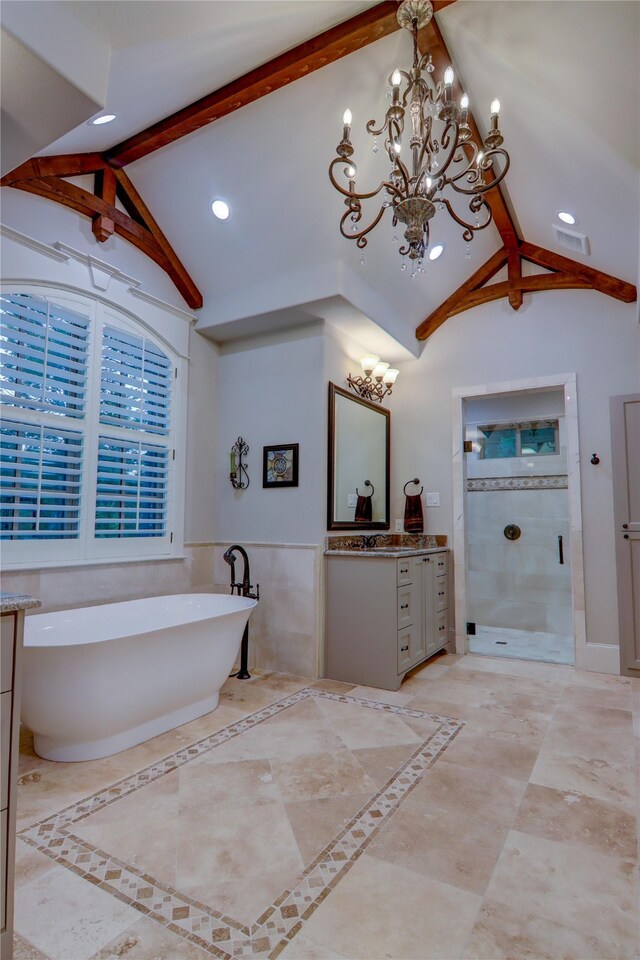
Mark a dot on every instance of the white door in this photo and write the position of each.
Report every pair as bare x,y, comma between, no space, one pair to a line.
625,448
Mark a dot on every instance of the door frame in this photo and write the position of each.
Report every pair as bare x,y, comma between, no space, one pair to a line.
567,382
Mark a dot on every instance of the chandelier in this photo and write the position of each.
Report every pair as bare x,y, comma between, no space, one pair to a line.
438,155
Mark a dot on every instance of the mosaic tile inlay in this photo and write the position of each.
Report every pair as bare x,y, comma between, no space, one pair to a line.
212,930
480,484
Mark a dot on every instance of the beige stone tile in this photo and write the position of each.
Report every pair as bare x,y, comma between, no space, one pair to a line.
316,822
204,784
575,818
448,846
380,910
23,950
571,885
282,737
583,697
508,758
210,723
599,733
359,727
333,686
381,763
67,918
248,695
480,793
148,940
231,842
29,863
284,683
502,933
558,674
321,775
596,777
243,900
301,948
141,829
398,698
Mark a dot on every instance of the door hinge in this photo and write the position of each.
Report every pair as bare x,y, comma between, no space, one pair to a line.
173,454
467,446
171,537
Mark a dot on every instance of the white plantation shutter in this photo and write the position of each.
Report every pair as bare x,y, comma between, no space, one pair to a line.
43,356
86,448
131,489
40,478
135,388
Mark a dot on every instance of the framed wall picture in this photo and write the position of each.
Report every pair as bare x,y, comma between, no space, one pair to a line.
280,465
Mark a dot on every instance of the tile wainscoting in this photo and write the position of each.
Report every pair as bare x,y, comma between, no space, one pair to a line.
287,627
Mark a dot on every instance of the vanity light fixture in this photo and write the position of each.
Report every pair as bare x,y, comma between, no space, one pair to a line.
376,381
433,163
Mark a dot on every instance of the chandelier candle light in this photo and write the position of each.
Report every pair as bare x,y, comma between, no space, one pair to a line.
378,379
441,154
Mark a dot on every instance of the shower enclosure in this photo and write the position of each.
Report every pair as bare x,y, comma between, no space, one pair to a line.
518,589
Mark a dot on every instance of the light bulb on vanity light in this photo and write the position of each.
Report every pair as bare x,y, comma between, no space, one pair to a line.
390,377
380,370
368,364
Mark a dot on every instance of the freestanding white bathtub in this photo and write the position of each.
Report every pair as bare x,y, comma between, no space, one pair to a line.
97,680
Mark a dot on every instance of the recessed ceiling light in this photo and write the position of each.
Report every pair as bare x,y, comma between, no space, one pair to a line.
436,251
566,217
104,118
220,209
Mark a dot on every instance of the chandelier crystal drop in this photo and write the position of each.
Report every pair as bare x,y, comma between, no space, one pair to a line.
438,155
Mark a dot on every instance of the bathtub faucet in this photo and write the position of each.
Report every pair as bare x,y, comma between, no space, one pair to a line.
242,589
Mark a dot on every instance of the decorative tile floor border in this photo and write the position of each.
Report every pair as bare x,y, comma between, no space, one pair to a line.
485,484
220,935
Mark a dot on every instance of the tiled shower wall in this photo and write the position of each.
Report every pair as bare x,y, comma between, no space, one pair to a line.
519,583
284,629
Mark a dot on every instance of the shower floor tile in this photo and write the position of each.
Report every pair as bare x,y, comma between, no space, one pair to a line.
522,644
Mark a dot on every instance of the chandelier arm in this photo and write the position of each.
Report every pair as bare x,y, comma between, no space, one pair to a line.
482,188
361,236
470,228
348,193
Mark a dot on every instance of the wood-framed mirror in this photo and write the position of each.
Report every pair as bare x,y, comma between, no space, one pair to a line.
358,463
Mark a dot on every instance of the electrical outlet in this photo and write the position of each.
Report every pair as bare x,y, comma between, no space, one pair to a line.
352,500
433,499
399,526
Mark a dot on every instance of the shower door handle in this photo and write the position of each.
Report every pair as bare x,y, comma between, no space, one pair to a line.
560,550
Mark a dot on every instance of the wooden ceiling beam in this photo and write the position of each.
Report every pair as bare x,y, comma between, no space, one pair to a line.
105,188
327,47
446,309
498,291
430,40
603,282
63,165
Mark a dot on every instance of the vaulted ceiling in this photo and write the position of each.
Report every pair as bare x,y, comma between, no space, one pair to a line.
216,98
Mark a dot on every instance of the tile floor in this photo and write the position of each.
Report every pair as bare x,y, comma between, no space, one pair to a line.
523,644
487,809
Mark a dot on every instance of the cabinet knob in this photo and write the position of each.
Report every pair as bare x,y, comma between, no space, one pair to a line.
404,606
626,536
404,649
625,526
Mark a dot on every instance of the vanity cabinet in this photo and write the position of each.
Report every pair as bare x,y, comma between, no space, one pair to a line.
384,615
11,640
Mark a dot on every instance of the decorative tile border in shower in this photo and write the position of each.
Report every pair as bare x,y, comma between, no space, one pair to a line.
215,932
554,482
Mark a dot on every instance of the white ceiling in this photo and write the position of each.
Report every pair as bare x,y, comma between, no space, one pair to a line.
567,75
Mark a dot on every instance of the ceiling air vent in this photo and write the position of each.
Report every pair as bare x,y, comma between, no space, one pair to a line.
576,242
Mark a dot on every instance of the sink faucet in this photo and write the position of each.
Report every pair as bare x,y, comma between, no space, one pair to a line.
370,543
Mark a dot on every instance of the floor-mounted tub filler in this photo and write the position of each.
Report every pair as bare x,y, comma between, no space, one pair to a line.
97,680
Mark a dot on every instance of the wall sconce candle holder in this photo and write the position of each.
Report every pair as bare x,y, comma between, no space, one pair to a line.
237,469
377,380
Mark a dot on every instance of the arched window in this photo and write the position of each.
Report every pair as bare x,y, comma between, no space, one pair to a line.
87,454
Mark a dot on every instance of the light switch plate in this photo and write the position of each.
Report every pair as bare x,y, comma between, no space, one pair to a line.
433,499
399,526
352,500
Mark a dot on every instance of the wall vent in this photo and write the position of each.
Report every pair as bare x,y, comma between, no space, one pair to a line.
576,242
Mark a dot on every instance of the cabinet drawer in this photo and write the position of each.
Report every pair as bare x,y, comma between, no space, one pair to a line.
5,736
441,593
441,628
405,606
440,561
404,649
405,572
7,630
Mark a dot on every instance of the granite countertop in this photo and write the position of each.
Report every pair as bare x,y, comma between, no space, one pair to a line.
10,602
387,545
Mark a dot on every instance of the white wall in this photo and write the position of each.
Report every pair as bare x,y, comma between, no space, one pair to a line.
554,332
